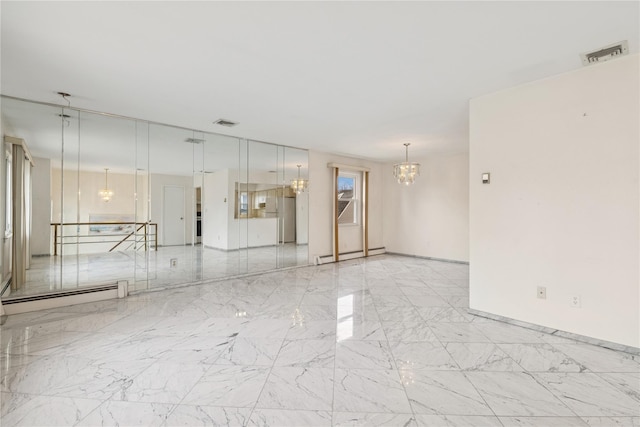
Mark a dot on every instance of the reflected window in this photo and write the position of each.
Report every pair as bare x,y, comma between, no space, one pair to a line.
244,203
347,198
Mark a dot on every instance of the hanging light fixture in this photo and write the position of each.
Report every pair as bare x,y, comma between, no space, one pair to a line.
299,185
406,172
105,193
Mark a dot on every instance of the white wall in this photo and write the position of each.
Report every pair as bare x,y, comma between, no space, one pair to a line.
321,203
431,217
562,209
41,202
215,209
221,229
256,232
302,218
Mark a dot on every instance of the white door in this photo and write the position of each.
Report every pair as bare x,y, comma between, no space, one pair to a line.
173,228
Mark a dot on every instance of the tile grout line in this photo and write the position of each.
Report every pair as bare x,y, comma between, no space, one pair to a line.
462,372
397,369
273,364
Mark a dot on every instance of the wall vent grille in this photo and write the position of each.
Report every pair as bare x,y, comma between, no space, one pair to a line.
605,54
224,122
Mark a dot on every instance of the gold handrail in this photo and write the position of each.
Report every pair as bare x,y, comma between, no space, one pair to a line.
55,226
131,234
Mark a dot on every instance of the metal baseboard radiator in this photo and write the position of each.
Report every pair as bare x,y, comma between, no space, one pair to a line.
58,294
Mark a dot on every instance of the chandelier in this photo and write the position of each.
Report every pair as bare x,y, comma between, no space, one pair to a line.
299,185
406,172
105,193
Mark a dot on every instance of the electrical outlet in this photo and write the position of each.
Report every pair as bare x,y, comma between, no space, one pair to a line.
174,262
576,301
542,292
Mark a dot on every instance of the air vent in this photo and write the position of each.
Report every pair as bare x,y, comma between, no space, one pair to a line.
605,54
224,122
194,140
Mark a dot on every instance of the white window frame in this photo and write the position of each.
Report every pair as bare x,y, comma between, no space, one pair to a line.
355,197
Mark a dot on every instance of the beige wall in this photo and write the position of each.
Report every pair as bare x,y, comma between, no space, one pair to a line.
320,206
431,217
81,198
87,184
562,209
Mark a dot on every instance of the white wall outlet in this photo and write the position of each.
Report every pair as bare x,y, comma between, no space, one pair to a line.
576,301
174,262
542,292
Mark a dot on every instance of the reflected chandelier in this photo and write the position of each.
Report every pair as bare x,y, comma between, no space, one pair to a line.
105,193
299,185
406,172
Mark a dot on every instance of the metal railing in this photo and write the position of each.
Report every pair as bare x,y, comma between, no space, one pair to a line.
117,233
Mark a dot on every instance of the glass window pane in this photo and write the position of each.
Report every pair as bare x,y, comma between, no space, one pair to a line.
347,199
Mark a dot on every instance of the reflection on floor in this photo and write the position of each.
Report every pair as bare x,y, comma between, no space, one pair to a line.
386,341
155,269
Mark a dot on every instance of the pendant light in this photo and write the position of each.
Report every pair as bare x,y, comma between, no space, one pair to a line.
105,193
299,185
406,172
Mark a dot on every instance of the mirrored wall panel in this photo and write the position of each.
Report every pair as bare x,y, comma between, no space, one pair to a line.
114,198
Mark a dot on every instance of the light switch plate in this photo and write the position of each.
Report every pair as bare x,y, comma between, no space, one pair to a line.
486,178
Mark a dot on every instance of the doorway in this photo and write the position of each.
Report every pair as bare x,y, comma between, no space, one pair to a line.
173,228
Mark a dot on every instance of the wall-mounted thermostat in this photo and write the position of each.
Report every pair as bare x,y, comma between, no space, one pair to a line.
485,178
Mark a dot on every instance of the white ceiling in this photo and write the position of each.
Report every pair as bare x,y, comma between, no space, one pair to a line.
355,78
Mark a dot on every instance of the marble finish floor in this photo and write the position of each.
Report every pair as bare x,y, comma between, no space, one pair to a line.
154,269
383,341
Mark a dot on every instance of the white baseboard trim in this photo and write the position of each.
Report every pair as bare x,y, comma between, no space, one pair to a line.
53,301
557,332
327,259
453,261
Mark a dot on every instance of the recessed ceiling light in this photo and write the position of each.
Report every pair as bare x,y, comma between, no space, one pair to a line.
225,122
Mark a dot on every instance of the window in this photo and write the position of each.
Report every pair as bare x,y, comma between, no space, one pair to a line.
244,203
347,198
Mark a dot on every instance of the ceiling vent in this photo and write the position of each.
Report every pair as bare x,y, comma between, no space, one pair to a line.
605,54
194,140
224,122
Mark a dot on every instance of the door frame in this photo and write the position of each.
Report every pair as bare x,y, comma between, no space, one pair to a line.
164,222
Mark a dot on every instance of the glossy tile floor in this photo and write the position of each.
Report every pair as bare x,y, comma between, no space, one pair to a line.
386,341
153,269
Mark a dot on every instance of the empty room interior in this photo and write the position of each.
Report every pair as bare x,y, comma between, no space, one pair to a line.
382,213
